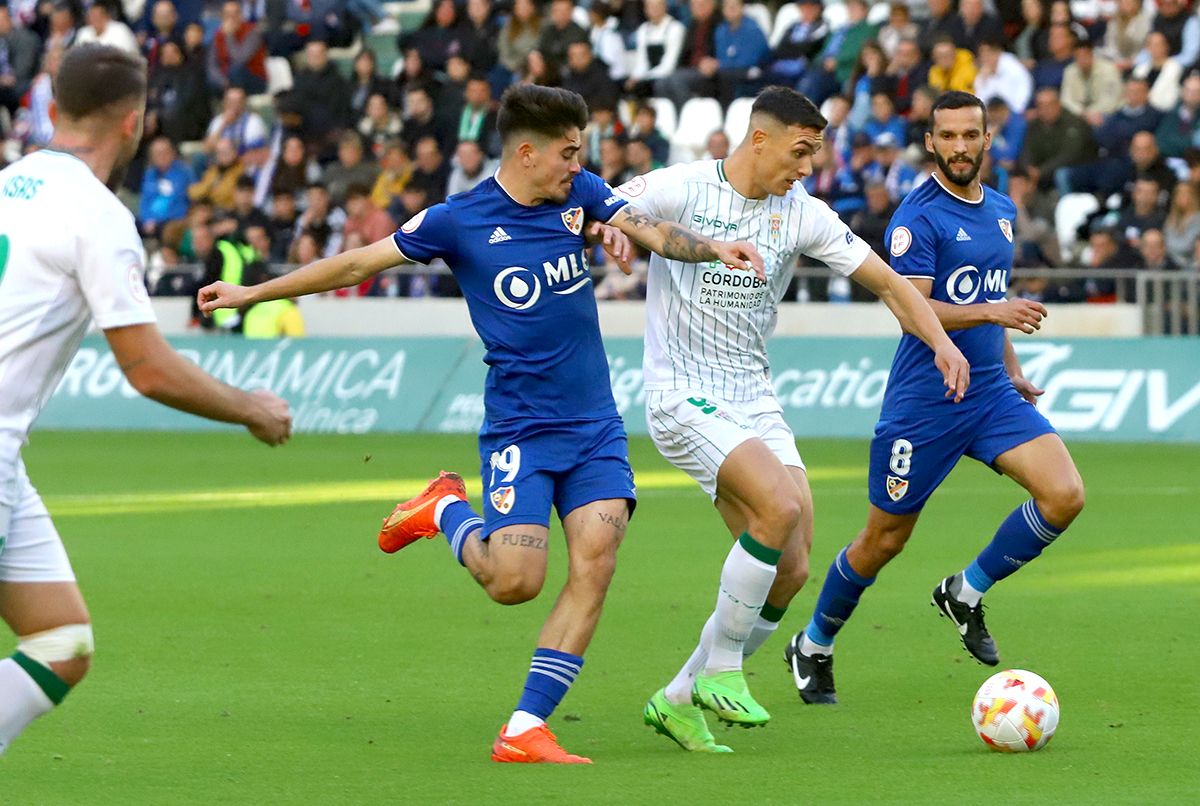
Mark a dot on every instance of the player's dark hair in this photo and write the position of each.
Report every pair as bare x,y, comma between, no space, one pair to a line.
956,99
545,111
789,107
93,78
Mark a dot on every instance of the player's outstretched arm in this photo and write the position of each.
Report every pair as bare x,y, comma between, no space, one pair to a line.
1019,314
676,242
911,308
154,369
346,269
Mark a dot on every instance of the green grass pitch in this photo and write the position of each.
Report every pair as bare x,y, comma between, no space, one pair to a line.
254,646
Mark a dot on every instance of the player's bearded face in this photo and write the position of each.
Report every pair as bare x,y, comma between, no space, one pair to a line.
958,140
557,165
958,163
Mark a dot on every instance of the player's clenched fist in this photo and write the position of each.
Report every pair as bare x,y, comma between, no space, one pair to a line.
740,255
956,372
221,295
272,419
1020,314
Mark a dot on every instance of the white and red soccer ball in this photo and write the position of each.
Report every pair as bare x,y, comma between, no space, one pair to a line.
1015,711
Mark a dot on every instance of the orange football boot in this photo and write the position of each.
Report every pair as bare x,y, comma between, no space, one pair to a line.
534,746
413,519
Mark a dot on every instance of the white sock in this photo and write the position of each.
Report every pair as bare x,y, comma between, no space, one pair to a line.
440,507
965,593
745,582
761,632
521,721
810,647
21,702
679,690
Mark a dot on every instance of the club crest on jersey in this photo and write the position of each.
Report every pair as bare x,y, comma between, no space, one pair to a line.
776,226
901,241
1005,227
573,220
503,499
896,487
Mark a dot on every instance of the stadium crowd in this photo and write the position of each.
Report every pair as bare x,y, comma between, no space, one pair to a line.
275,134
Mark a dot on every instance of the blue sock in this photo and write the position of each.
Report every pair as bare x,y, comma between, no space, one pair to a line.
1021,538
458,521
551,674
839,596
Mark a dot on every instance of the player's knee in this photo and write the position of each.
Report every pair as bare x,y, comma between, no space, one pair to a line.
1064,503
66,651
73,671
883,545
516,589
779,519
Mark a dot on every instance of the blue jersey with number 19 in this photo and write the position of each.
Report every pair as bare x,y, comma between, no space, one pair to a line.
524,273
966,249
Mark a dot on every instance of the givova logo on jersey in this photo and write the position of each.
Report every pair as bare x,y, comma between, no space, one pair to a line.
964,285
520,288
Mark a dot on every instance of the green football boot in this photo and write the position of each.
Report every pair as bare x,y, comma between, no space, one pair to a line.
726,695
683,723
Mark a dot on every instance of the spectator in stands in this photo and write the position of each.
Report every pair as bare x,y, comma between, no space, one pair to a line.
896,175
410,73
19,57
639,157
1146,213
1182,30
976,26
840,54
1182,227
717,146
1136,115
195,53
899,27
612,167
1091,85
869,77
645,128
1060,51
395,171
953,68
742,50
607,43
352,167
164,26
450,97
237,56
1180,129
165,185
439,37
909,73
1125,34
322,221
587,76
1001,75
34,125
63,25
602,123
1108,251
419,120
540,71
658,44
1155,256
482,35
294,171
1008,133
380,125
365,222
1117,165
1161,71
430,169
322,96
293,24
176,98
1055,139
1031,44
366,82
470,167
279,318
884,118
1147,161
105,26
241,126
518,38
919,118
697,74
559,32
217,184
872,220
850,182
244,213
941,21
800,46
1035,242
282,224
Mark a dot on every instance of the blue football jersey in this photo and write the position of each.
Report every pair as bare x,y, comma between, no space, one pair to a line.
524,273
966,249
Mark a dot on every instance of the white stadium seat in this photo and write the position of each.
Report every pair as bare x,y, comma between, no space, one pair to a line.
279,75
1070,212
667,121
835,15
737,120
699,118
761,15
788,14
879,13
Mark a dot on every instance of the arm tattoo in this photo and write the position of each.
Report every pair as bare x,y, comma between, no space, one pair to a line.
679,242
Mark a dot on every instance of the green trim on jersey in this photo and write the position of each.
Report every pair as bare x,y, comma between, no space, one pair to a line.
721,171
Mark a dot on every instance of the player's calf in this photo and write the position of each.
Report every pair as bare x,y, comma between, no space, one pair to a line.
39,675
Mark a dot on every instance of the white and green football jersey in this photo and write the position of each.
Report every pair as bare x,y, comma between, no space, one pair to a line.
707,325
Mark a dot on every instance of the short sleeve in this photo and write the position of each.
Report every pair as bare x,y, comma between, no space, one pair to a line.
825,237
657,193
600,201
912,250
111,271
427,235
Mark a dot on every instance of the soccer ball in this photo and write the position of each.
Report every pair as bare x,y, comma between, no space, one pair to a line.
1015,711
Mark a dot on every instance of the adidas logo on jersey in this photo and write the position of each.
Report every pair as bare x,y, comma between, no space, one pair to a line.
499,236
962,235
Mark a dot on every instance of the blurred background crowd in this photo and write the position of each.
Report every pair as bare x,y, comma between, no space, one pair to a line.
279,131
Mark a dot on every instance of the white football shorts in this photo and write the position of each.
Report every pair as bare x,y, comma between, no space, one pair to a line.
30,548
696,432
